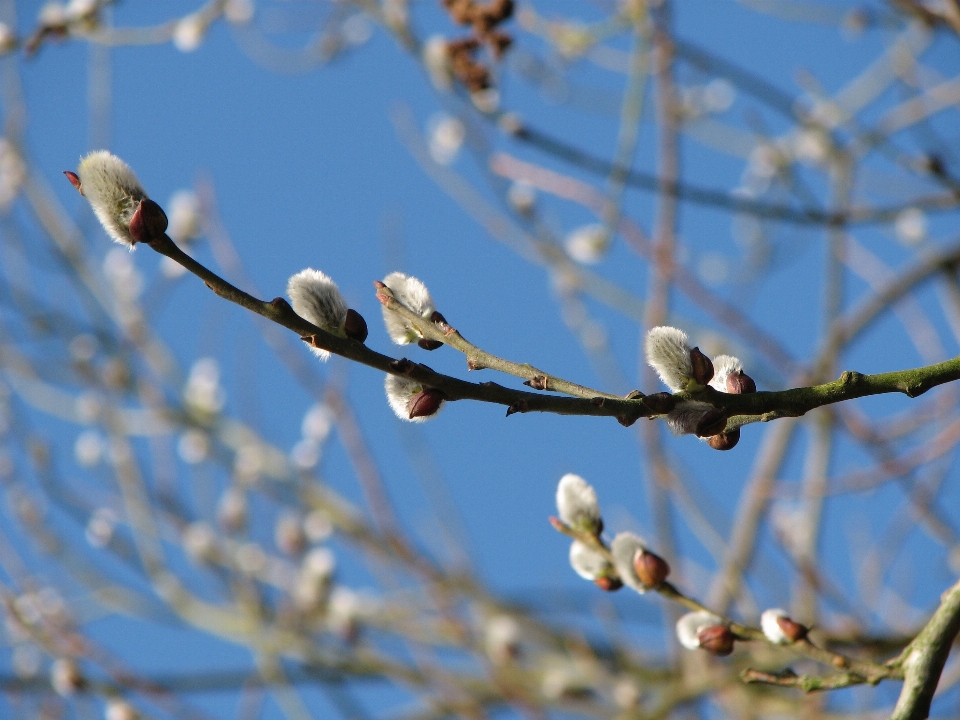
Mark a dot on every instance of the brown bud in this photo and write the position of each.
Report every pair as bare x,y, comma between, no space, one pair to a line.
702,366
651,569
426,403
608,584
355,327
429,344
716,639
739,383
661,403
74,180
712,423
148,223
725,440
793,630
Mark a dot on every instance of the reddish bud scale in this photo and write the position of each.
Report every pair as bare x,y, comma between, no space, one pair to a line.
716,639
702,366
725,440
148,223
429,344
557,524
739,383
608,584
426,403
651,569
74,180
793,630
355,327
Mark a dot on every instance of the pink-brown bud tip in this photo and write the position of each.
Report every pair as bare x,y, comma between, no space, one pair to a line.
608,584
712,423
716,639
429,344
557,524
702,366
74,180
378,285
651,569
725,440
426,403
355,327
739,383
148,223
793,630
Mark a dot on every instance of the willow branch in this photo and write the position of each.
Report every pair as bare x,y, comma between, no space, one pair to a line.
924,658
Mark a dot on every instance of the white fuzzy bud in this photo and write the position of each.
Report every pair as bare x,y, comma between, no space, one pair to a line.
200,542
113,191
771,628
668,352
723,366
686,416
501,638
117,709
690,625
588,244
586,562
414,295
65,677
410,401
625,548
317,299
436,59
577,504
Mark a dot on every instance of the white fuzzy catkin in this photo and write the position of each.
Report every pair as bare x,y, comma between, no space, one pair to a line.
577,503
668,352
414,295
723,367
771,628
588,563
113,191
316,298
690,625
624,549
401,394
685,417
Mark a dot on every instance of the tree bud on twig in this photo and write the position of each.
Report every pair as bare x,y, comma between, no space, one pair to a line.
650,568
668,353
148,223
740,383
725,440
702,366
114,193
635,564
577,504
690,625
354,326
779,628
587,562
716,639
412,294
410,400
317,299
608,583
